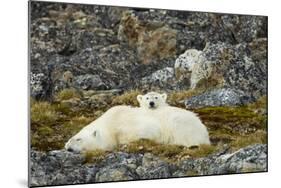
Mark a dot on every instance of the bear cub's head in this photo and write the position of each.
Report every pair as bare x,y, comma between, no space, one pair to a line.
152,100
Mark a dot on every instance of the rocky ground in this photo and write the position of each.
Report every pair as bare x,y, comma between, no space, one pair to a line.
63,167
86,59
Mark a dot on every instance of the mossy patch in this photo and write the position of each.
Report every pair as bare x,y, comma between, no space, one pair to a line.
169,153
94,156
232,120
67,94
128,98
259,137
52,124
43,112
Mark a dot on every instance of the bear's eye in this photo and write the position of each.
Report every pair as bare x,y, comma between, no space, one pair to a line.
156,97
147,98
78,139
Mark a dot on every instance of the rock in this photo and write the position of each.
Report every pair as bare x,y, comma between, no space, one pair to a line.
118,166
88,82
152,40
62,167
218,97
224,65
59,167
160,78
152,168
249,159
40,86
124,45
185,62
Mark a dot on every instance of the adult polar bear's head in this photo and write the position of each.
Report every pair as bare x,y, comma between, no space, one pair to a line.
152,100
86,139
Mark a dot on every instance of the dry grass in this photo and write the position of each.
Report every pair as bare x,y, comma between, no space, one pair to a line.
176,98
94,156
43,112
259,137
67,94
169,153
128,98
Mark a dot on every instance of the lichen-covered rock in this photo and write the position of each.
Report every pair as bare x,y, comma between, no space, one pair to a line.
58,168
218,97
249,159
152,167
62,167
89,81
184,63
40,86
161,78
114,42
153,40
224,65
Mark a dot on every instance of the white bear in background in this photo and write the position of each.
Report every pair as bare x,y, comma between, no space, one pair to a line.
154,120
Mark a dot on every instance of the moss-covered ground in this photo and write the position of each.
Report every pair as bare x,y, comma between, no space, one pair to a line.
52,124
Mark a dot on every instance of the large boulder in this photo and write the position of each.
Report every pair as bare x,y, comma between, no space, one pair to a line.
218,97
224,65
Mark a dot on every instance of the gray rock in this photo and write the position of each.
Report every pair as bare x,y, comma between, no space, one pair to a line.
162,76
223,65
218,97
59,167
249,159
89,82
62,167
123,45
152,167
40,86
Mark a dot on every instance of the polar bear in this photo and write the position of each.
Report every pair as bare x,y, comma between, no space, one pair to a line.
119,125
154,120
152,100
178,126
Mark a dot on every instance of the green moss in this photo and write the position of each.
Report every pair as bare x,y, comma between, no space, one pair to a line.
232,120
260,103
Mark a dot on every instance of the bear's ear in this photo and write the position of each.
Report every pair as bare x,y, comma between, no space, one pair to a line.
164,96
139,98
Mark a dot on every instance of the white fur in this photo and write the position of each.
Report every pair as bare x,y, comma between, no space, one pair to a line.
119,125
123,124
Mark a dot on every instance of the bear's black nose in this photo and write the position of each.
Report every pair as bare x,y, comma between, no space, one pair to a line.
152,104
70,150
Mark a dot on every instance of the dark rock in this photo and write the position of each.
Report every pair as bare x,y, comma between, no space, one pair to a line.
218,97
